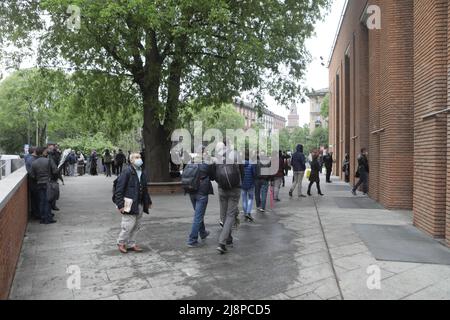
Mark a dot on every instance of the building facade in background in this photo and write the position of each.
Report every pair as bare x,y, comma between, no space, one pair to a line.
390,92
293,117
269,120
315,118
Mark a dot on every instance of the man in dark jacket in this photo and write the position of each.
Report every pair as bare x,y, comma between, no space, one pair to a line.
199,200
34,199
363,172
278,177
54,155
132,199
120,160
328,162
299,166
41,171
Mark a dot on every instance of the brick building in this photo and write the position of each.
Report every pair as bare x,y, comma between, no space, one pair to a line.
390,92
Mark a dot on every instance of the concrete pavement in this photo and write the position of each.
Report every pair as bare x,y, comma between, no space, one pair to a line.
303,249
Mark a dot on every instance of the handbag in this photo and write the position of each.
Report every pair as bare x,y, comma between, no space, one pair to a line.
308,173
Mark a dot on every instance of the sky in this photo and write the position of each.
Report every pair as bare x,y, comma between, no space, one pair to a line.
317,75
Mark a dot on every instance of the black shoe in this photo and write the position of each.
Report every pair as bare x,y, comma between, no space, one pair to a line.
290,194
321,194
309,194
230,243
55,208
277,200
48,222
222,249
249,218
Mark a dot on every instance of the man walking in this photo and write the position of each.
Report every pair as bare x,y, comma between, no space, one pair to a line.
227,173
262,183
120,160
299,166
328,162
132,200
196,181
363,172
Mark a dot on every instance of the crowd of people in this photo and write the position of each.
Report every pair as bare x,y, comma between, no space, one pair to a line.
48,165
238,182
245,182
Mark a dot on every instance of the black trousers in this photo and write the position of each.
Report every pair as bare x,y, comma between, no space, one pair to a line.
328,173
119,168
317,184
363,180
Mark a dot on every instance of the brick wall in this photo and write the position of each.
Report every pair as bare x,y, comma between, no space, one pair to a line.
447,233
430,95
13,221
374,114
396,104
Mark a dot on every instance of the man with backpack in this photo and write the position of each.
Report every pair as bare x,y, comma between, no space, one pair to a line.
132,199
227,171
196,181
72,160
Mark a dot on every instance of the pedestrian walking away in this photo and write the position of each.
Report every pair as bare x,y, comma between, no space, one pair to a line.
248,188
263,179
362,172
315,173
346,168
278,178
132,200
299,166
196,180
228,177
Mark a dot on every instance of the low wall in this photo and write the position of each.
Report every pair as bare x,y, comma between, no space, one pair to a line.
13,222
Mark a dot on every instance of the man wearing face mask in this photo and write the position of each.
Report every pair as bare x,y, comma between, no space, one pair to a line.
132,199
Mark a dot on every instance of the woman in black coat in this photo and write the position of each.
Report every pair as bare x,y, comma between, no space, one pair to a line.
314,177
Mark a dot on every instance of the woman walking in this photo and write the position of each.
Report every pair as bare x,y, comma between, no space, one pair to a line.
315,169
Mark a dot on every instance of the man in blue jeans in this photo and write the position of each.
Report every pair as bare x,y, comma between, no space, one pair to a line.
199,200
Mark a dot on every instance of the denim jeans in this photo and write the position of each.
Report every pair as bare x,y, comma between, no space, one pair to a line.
44,205
199,203
247,200
264,189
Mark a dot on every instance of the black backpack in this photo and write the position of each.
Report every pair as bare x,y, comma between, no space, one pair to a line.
190,179
228,176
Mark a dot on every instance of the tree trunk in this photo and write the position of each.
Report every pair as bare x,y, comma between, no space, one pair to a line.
157,145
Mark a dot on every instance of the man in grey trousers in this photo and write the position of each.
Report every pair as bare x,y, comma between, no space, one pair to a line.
228,176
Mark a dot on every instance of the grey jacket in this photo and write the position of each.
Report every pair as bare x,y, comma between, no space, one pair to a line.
40,170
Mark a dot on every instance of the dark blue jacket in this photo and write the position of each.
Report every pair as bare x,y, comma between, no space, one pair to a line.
298,160
129,186
206,175
249,175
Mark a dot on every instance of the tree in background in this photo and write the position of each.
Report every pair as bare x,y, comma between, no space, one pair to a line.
175,51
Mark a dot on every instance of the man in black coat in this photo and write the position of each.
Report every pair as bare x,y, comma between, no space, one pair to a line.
363,172
132,200
328,162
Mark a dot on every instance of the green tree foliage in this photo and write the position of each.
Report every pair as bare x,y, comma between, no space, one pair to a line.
59,106
325,107
291,137
87,143
179,50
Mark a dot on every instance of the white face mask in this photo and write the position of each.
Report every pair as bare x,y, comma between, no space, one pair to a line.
138,163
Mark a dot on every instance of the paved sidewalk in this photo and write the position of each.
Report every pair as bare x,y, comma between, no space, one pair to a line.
283,255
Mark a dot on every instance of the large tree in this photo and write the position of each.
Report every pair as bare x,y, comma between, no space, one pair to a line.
179,50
